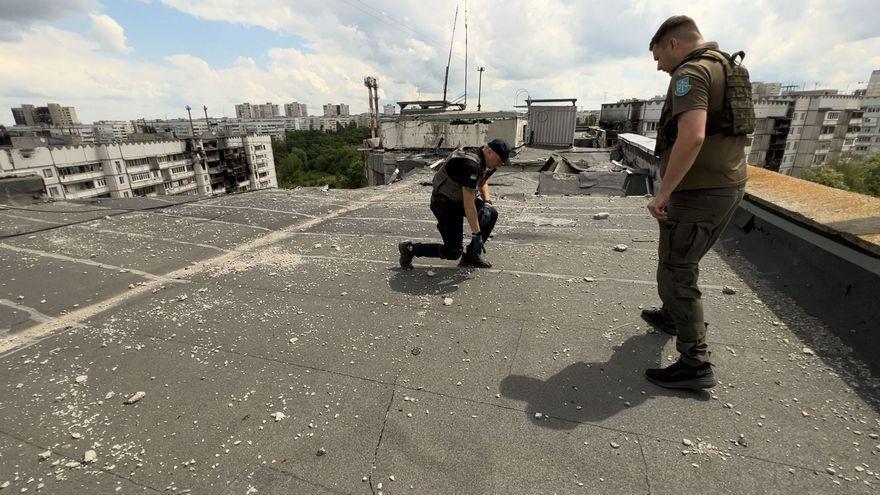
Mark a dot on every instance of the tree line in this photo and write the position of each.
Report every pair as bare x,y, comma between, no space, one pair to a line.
318,158
860,175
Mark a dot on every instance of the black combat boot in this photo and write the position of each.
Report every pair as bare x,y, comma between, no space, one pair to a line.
406,255
681,375
660,319
468,261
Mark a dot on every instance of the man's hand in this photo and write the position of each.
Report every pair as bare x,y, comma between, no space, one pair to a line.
476,247
657,206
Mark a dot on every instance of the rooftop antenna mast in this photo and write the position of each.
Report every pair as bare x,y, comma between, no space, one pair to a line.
465,55
449,59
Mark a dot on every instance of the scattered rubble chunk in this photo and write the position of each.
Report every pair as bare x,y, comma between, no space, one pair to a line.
82,379
321,452
447,301
615,445
728,290
620,248
601,216
134,398
45,455
687,442
809,352
90,456
278,416
539,415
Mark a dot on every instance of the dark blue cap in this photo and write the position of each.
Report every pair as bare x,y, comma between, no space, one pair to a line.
500,147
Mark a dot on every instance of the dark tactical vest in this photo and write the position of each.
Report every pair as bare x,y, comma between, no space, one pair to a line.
447,188
736,116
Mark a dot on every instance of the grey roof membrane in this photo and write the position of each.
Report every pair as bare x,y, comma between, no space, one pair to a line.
280,348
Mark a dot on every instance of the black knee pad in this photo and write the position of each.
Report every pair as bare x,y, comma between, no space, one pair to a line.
449,253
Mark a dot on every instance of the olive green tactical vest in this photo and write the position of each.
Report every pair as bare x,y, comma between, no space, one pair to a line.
448,188
735,118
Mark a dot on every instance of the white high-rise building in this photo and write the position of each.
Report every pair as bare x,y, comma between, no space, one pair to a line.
295,109
340,110
256,110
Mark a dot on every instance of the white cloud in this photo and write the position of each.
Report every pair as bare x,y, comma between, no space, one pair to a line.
108,33
594,51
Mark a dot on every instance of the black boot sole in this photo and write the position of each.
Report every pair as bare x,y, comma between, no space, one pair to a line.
700,383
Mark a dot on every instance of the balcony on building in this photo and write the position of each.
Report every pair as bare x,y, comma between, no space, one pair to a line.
80,174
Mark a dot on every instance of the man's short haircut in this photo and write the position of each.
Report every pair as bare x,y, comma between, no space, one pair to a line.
678,26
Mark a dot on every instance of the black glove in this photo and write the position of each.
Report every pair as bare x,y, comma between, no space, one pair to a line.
476,247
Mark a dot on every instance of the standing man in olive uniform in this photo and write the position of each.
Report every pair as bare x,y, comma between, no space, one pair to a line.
700,143
461,191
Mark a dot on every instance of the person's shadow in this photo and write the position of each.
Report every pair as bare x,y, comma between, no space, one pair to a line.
417,282
591,392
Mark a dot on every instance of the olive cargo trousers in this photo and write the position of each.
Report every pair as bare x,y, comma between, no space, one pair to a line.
696,218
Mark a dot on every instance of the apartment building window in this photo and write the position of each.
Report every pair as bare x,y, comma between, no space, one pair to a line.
832,115
167,185
48,173
864,139
849,142
118,168
140,177
748,142
853,128
786,159
818,159
53,191
828,129
100,182
162,159
122,179
137,161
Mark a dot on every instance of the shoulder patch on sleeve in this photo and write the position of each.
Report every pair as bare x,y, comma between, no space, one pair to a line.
682,86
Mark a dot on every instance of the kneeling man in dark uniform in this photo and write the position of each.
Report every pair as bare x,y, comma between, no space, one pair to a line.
461,191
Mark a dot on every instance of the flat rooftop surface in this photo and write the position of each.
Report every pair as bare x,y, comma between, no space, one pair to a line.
281,350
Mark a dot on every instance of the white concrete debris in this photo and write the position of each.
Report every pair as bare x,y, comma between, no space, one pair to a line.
538,415
809,352
278,416
620,248
4,485
728,290
109,395
82,379
293,340
589,279
76,435
90,456
601,216
687,442
45,455
447,301
134,398
431,273
615,445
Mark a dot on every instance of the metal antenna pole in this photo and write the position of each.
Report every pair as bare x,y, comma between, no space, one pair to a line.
480,88
466,67
449,59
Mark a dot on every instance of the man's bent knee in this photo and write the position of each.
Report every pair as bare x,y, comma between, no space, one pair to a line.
450,253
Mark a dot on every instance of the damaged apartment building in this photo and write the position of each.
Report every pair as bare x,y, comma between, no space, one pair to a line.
206,165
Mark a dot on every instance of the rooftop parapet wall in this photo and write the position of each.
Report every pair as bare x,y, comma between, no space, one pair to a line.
849,216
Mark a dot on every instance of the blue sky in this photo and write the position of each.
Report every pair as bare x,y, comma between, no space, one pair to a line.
126,59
